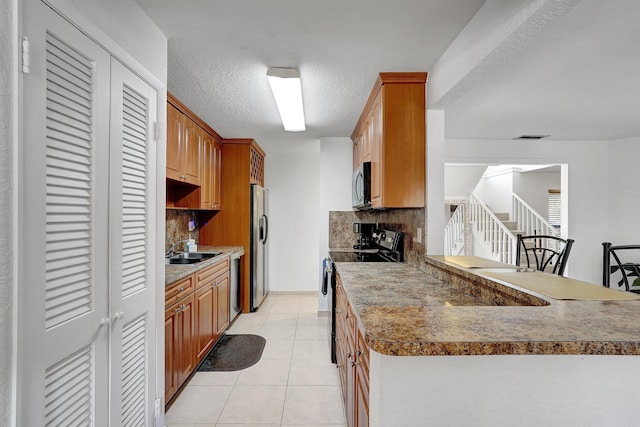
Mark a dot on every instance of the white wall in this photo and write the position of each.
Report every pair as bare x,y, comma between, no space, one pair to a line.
495,191
623,193
8,148
293,180
534,187
336,164
460,180
588,180
124,30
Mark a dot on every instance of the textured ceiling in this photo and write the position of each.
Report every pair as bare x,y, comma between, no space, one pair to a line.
575,77
219,53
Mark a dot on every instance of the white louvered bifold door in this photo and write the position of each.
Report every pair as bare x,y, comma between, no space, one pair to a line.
63,291
132,223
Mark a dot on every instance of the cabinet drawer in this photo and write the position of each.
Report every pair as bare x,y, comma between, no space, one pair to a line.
205,275
177,290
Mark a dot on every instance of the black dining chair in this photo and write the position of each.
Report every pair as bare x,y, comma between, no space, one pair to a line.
544,253
626,269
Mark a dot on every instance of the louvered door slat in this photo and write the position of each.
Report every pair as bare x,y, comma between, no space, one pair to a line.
134,378
68,386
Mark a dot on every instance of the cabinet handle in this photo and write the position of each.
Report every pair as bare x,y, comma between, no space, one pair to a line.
180,290
105,321
338,339
119,315
178,310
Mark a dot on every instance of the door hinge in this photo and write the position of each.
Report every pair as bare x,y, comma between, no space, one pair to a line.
156,131
26,55
158,406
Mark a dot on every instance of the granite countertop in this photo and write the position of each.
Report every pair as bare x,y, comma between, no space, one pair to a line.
404,311
173,272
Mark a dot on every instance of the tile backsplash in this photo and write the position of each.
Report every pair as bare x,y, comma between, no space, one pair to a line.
177,226
341,233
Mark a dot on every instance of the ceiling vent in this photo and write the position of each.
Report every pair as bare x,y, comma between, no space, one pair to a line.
532,136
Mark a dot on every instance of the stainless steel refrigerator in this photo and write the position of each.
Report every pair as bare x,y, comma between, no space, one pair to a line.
258,250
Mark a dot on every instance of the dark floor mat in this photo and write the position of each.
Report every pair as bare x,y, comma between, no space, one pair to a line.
234,352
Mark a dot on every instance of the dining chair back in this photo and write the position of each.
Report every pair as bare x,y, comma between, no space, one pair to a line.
624,272
544,253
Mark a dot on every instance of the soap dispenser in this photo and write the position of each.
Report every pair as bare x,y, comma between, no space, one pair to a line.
191,245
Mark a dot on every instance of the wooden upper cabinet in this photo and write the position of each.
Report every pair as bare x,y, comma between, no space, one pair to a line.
190,154
393,121
256,171
183,147
194,156
174,135
206,175
216,175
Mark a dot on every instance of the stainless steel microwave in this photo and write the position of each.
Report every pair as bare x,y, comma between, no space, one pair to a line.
361,187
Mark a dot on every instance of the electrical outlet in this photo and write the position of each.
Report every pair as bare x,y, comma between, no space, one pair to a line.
192,225
419,235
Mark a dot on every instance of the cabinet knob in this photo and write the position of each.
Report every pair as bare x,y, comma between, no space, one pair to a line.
105,321
119,315
178,310
180,289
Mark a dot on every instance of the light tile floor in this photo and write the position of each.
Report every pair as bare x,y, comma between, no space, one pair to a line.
294,384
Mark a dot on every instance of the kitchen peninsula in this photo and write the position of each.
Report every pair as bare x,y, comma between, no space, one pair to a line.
454,346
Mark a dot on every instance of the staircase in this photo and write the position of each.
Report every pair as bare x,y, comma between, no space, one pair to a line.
454,235
497,240
496,232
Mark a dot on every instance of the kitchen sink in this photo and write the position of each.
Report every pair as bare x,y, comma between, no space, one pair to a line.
190,257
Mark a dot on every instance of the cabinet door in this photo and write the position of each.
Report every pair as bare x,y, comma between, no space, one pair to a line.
171,356
376,151
362,403
63,341
190,152
357,144
174,142
222,307
187,338
206,171
204,323
216,175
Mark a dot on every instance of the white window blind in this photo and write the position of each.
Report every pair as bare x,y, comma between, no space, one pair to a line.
554,208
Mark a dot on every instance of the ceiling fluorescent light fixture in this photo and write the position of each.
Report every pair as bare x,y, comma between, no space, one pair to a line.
287,91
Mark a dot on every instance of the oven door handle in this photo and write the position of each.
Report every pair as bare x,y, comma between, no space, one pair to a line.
326,273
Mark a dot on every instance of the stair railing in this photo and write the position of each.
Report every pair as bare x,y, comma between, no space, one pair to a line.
454,233
529,220
502,242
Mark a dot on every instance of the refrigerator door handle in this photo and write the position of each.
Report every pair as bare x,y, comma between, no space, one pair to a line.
264,228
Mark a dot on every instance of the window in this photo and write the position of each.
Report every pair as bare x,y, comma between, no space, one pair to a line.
554,210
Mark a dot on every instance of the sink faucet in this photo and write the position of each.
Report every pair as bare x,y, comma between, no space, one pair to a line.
172,249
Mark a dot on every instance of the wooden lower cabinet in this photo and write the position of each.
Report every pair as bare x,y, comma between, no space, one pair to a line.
353,362
179,328
361,381
196,316
204,320
222,304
